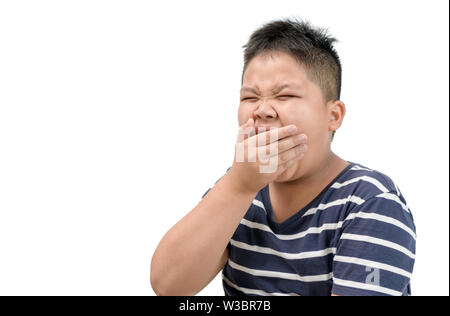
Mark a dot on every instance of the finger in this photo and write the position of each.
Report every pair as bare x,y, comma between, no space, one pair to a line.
246,130
286,159
248,123
293,153
282,145
250,128
274,134
284,166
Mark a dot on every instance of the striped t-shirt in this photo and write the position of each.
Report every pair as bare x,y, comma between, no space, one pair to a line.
357,237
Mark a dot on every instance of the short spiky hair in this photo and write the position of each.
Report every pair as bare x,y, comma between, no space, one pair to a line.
312,47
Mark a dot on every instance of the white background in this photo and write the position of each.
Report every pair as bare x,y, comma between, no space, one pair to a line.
116,117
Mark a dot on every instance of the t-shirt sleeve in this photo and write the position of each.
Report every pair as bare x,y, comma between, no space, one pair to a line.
204,194
376,251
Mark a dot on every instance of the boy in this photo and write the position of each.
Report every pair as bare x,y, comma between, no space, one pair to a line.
318,224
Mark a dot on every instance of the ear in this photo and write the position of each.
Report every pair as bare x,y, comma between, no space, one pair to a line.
336,113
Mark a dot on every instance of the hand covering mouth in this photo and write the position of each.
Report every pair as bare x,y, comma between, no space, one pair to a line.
263,128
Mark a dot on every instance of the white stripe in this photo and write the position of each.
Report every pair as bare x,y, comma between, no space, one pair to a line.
311,230
256,225
366,286
382,218
356,167
350,198
378,241
395,198
285,255
254,291
374,181
378,184
281,275
373,264
260,204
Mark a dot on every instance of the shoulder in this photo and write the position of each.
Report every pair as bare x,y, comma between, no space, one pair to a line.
367,188
368,182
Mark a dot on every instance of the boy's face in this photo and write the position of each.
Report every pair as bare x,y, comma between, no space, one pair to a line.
300,102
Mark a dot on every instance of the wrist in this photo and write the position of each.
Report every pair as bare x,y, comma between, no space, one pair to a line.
237,187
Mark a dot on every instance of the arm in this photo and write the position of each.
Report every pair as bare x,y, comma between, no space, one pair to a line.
193,251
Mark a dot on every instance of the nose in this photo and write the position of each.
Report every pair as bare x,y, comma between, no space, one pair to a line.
265,111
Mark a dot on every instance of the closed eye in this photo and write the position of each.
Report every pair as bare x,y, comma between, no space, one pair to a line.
285,96
248,99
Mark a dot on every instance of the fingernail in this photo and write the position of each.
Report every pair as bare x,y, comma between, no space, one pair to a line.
292,128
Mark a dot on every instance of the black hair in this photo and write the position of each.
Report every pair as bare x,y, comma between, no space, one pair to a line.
311,47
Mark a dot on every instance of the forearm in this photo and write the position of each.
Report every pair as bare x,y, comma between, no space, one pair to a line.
189,255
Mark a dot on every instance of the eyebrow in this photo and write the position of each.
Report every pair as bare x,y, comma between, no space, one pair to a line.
274,91
248,89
